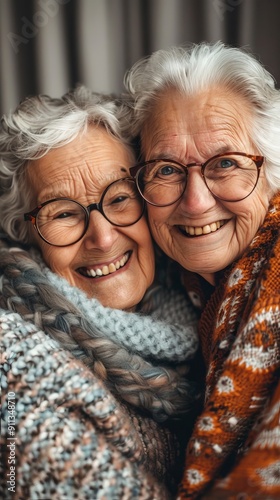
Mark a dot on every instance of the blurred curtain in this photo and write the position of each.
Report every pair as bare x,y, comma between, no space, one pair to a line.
48,46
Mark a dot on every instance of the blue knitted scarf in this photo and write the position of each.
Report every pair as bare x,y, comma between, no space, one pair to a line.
142,358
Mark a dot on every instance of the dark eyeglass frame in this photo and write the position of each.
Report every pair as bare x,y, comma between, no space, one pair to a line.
32,215
135,170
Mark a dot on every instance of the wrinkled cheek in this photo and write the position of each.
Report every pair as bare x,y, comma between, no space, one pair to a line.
153,218
159,227
154,227
59,266
161,235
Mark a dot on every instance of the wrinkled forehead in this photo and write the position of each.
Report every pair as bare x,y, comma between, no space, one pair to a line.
91,161
215,115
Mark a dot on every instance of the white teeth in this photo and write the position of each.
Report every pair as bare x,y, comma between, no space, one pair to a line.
209,228
109,269
112,268
215,225
105,270
206,229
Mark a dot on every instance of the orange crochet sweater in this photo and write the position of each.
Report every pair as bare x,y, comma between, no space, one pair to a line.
234,450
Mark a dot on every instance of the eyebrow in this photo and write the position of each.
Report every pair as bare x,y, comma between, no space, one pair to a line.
172,156
224,149
51,195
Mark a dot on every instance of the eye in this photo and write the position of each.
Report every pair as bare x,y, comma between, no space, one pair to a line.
119,199
227,163
167,170
64,215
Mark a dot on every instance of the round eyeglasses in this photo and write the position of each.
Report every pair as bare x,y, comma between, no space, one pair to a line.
228,176
61,222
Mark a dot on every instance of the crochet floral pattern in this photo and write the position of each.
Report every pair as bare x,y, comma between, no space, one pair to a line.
237,436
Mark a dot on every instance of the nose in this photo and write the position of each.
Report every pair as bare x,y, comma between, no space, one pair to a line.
197,198
101,233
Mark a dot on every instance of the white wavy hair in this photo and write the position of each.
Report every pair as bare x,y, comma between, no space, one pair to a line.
39,124
198,67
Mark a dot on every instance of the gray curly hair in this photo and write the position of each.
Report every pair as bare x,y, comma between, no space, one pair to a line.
203,66
39,124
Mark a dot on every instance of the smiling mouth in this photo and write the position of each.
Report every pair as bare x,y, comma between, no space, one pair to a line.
112,267
193,231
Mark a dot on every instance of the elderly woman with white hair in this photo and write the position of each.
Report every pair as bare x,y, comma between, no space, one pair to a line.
208,117
95,351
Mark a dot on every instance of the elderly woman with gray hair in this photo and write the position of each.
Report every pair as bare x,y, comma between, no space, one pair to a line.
208,117
96,352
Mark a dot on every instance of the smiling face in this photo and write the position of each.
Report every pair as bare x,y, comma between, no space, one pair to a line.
113,264
200,232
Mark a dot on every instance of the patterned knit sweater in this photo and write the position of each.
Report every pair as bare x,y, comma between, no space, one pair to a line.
234,450
79,390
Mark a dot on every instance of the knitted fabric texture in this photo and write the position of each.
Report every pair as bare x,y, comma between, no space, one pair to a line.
64,436
142,382
168,333
71,376
234,451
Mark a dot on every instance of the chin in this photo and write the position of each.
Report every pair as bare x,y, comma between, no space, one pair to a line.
123,305
113,292
111,299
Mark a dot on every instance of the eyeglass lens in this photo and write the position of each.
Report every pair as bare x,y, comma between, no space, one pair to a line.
229,178
63,222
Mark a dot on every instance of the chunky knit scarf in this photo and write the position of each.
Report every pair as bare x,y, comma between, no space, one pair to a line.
240,336
132,352
64,436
